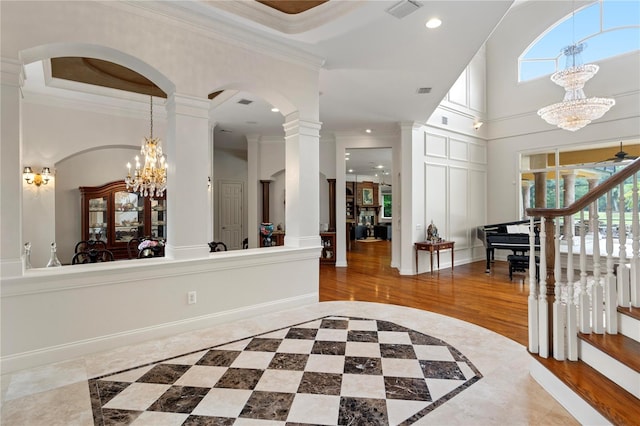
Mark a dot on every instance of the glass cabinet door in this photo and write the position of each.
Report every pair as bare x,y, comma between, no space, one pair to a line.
159,218
98,219
129,216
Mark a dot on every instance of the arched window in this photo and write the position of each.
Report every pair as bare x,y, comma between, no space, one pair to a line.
608,28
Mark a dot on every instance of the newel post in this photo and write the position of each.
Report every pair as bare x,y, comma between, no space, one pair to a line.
550,279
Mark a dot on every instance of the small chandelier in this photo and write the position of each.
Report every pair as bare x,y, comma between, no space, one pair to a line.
150,180
576,110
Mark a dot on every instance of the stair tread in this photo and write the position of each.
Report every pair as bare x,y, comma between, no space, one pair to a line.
631,311
609,399
618,346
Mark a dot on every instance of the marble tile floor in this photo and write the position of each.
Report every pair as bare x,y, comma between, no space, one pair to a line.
329,363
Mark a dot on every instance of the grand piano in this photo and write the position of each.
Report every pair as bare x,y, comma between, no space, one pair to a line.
512,236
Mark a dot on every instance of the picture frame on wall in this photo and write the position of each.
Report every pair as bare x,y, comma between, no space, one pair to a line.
367,196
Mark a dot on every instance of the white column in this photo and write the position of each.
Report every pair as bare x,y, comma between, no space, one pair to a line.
412,193
212,230
302,165
253,176
10,170
188,169
341,200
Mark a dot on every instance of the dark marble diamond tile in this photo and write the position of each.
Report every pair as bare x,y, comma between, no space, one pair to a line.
165,374
335,324
106,390
286,361
389,326
179,399
362,336
320,383
363,412
329,348
268,406
362,365
407,388
218,358
423,339
457,355
208,421
441,370
302,333
239,378
112,417
263,345
391,350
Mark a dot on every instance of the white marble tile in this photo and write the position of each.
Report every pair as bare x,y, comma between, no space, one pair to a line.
365,349
314,409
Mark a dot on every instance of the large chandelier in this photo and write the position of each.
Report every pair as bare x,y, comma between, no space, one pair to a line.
576,110
150,180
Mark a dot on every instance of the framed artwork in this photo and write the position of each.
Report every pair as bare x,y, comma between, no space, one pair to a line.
367,196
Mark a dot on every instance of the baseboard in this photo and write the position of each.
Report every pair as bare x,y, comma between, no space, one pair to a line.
576,406
80,348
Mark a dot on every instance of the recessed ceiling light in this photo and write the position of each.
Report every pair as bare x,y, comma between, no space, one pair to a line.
379,166
347,153
433,23
346,158
275,110
350,170
368,130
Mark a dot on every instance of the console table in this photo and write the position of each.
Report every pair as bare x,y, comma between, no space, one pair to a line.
431,247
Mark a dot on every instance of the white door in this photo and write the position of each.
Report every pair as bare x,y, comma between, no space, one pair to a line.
230,200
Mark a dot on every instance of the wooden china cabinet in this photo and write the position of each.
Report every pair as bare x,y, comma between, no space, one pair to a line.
113,214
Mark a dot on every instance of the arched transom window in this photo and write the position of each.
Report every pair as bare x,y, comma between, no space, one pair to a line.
608,27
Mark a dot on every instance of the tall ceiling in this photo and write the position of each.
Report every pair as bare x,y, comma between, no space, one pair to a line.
374,62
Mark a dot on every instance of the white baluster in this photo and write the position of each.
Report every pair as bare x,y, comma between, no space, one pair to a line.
558,306
543,309
622,278
572,326
583,304
635,245
533,302
610,299
597,293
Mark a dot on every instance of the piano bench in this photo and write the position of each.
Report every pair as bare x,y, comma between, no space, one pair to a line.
520,263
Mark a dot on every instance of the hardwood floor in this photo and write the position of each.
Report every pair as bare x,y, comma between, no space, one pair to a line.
469,294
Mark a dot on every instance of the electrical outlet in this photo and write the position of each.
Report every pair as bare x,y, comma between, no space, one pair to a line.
191,297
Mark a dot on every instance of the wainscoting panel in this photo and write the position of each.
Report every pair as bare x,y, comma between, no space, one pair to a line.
435,145
436,190
477,153
458,209
458,150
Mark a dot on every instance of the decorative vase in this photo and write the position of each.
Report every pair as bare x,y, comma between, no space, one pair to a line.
53,260
266,230
27,255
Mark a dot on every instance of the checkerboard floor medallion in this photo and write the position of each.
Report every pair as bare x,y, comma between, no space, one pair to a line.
331,371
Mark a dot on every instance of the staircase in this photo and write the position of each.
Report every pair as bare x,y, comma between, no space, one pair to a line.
584,332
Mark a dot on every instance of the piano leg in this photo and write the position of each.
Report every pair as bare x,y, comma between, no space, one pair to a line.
489,252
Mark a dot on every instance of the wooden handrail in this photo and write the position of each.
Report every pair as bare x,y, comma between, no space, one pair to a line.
591,196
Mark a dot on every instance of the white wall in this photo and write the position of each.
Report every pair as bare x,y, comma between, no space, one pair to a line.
514,126
49,315
80,309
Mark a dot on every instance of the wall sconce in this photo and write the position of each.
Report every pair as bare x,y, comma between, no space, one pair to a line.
478,124
209,182
36,178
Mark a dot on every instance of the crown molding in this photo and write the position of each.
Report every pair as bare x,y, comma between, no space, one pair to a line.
194,18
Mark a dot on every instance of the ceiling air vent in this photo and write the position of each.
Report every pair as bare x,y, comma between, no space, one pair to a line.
403,8
245,101
423,90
